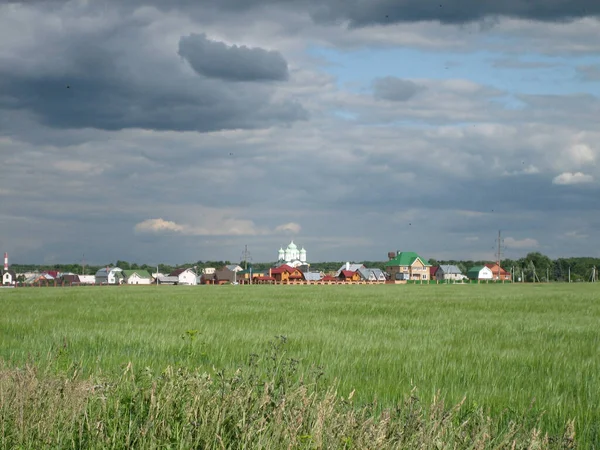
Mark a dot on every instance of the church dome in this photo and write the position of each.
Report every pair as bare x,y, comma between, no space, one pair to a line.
292,246
302,250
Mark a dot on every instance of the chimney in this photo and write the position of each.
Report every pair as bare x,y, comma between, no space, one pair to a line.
5,261
347,265
391,255
269,271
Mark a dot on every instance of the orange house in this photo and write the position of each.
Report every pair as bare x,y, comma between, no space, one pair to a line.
286,273
348,275
499,273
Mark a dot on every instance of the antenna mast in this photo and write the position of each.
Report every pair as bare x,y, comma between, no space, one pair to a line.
246,255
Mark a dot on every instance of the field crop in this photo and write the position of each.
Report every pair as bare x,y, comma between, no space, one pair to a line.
518,353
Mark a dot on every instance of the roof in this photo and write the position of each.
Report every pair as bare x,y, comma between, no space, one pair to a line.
103,272
169,279
433,270
347,273
52,273
312,276
329,278
406,259
234,267
366,273
450,269
283,268
140,273
179,271
475,270
225,274
351,268
492,266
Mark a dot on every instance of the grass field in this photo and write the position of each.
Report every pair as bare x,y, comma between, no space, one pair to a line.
510,349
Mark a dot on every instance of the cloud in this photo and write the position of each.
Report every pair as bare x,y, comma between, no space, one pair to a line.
567,178
217,60
291,227
589,73
158,226
395,89
519,64
526,243
115,74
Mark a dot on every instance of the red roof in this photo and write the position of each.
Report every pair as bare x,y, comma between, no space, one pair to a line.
283,268
494,268
329,278
433,270
296,277
52,273
347,273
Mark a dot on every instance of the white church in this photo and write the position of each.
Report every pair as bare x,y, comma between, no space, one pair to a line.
292,256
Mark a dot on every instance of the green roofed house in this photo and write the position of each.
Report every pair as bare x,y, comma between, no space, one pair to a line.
407,266
480,273
137,276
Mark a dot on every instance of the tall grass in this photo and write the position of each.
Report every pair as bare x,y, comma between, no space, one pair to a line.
505,349
263,404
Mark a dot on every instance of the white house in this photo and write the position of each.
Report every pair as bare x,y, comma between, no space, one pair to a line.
9,277
109,275
480,273
137,276
449,272
185,276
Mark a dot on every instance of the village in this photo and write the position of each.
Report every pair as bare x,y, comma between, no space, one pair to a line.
292,267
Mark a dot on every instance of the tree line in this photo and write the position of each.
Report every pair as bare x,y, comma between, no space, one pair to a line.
532,267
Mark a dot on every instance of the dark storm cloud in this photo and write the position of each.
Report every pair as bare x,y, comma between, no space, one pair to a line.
111,79
395,89
233,63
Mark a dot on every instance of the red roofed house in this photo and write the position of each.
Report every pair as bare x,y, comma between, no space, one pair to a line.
286,273
348,275
498,272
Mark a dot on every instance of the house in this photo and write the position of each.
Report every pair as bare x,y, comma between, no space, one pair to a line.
234,267
87,279
137,276
348,275
162,279
449,272
479,273
313,276
109,275
499,273
408,266
367,274
185,276
349,267
40,278
208,271
433,272
225,276
285,273
68,278
9,277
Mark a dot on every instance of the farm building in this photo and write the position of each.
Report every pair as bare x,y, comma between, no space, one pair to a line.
449,272
109,275
137,276
479,273
408,266
185,276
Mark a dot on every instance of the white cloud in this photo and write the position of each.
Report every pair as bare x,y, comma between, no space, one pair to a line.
158,226
290,227
575,235
567,178
513,243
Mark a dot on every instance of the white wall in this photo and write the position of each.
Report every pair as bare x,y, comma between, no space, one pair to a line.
136,279
188,277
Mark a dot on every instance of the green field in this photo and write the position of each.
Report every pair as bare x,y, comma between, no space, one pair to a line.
512,348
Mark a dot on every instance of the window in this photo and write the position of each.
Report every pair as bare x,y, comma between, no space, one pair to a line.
424,276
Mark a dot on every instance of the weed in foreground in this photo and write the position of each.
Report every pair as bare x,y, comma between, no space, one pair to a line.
267,403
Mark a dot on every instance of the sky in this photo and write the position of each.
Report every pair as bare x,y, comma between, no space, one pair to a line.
175,132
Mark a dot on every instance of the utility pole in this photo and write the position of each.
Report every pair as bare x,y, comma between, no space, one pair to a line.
547,275
499,242
569,274
83,265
